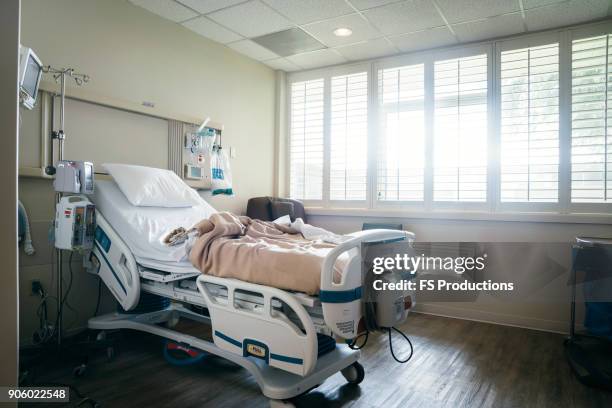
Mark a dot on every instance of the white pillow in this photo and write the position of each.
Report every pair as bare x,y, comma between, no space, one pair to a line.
151,187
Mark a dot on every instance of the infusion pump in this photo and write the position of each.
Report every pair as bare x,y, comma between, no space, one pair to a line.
75,223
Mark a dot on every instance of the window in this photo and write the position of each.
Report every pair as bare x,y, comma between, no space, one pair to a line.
497,126
530,124
306,144
401,146
591,146
460,129
349,137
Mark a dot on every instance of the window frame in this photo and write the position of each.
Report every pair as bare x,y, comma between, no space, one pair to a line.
493,204
428,59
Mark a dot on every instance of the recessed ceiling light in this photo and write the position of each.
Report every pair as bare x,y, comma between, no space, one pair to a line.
343,32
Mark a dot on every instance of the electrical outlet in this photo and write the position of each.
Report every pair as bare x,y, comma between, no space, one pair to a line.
36,287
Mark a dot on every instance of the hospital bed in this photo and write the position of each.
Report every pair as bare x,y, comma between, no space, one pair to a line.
280,337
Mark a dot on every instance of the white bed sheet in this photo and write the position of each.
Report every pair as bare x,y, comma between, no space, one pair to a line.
142,228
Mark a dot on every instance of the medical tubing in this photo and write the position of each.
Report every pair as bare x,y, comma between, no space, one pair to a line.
28,248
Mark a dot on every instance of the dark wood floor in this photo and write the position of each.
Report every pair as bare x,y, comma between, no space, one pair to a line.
456,363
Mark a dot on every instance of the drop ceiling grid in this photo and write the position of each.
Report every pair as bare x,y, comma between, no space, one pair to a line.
503,17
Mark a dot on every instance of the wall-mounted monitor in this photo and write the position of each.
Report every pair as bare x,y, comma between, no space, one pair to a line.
30,72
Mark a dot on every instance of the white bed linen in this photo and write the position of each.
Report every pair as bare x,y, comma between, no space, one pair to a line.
142,228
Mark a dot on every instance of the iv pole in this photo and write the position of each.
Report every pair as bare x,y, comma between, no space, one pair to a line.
79,79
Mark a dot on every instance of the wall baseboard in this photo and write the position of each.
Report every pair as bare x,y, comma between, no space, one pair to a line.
524,322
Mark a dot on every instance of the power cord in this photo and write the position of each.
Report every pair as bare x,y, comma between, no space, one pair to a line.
391,346
353,343
45,331
371,325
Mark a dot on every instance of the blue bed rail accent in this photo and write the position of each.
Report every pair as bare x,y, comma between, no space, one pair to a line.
228,339
286,359
340,296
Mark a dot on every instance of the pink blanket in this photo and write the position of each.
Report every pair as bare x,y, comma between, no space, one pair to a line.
260,252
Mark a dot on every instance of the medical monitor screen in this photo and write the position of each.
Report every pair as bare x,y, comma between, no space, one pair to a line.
31,77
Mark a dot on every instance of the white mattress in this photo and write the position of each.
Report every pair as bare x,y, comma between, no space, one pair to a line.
143,228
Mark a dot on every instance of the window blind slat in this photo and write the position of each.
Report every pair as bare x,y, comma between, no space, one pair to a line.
348,137
306,140
591,151
401,139
460,129
530,124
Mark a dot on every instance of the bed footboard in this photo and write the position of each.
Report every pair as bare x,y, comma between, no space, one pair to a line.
259,329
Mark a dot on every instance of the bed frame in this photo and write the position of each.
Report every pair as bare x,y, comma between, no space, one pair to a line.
272,333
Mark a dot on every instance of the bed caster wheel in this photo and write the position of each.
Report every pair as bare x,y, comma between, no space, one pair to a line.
281,404
110,353
79,370
354,374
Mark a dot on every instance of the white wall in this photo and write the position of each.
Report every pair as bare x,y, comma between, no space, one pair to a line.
132,55
9,44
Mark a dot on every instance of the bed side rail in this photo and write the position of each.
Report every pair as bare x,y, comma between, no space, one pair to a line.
342,308
262,331
113,262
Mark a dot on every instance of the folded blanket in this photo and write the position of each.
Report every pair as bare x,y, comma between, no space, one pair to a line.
231,246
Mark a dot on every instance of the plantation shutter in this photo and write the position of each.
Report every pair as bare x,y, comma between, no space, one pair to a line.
460,129
591,111
306,143
348,137
530,124
401,141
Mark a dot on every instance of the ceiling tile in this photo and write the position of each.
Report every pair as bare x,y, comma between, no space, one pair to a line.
367,49
529,4
405,17
306,11
316,59
289,42
251,19
490,28
368,4
252,50
324,30
562,14
283,64
206,6
211,30
435,37
168,9
466,10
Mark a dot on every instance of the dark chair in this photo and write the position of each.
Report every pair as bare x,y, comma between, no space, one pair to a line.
271,208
